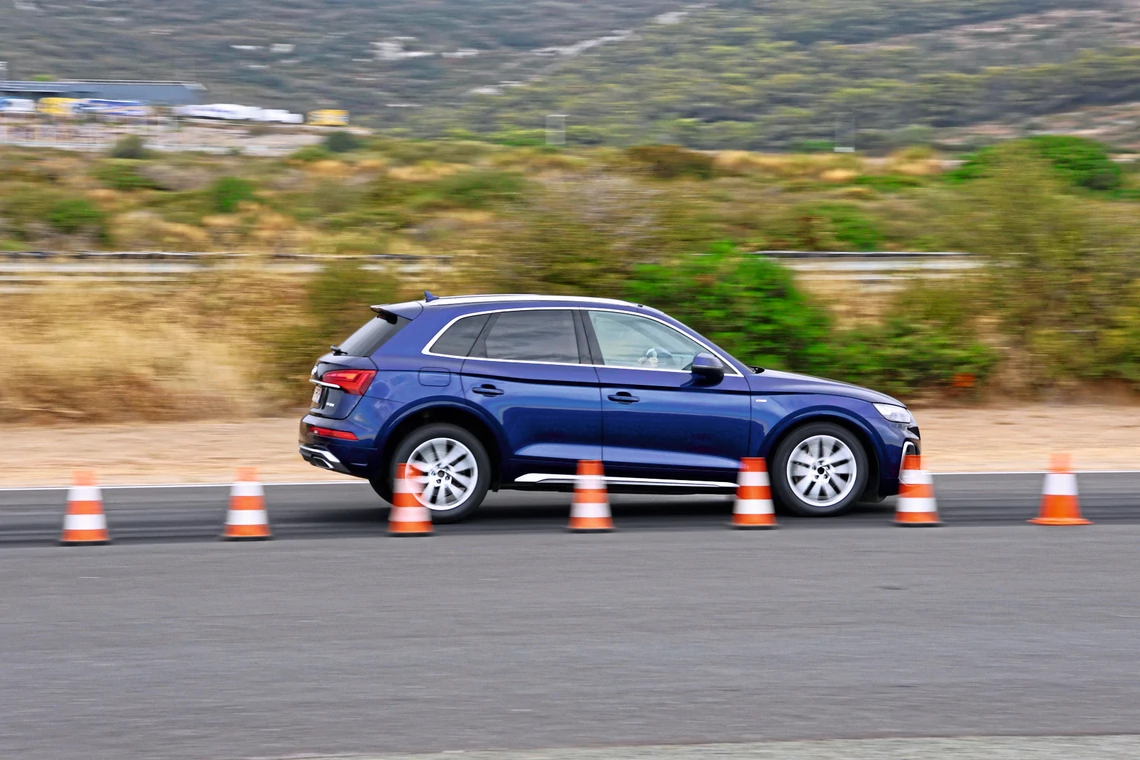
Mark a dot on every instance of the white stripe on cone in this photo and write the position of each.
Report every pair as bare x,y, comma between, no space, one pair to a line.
1061,484
85,522
917,505
84,493
245,488
247,517
590,483
748,478
753,507
590,510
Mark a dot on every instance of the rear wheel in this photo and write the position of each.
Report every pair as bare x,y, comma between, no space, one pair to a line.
454,470
819,470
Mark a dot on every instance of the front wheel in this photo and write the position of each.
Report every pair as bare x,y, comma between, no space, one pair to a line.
454,470
819,470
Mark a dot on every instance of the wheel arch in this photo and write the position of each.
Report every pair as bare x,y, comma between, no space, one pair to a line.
853,426
452,414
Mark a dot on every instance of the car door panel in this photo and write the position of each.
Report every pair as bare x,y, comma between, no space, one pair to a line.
674,424
547,406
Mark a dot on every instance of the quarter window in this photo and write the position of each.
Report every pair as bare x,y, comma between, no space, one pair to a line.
627,340
545,335
460,337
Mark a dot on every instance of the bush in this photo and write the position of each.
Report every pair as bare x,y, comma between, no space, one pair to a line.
335,304
1079,162
310,154
748,305
130,146
478,189
342,142
75,215
672,161
227,193
123,175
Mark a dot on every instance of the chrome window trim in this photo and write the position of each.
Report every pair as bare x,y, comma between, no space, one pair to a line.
730,368
536,478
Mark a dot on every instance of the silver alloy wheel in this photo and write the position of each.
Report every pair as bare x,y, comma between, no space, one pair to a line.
822,470
448,473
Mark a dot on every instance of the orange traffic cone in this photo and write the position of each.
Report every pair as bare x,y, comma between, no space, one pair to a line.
408,517
1059,503
917,507
590,510
754,509
247,519
84,521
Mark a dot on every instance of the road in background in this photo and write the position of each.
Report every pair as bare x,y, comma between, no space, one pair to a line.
486,640
351,509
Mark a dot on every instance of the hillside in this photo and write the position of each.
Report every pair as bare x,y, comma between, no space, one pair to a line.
754,74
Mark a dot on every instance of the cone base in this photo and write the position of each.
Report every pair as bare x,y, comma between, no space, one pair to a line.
906,524
224,537
411,533
96,542
1060,521
758,526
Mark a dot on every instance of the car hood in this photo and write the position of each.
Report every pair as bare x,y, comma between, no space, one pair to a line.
774,381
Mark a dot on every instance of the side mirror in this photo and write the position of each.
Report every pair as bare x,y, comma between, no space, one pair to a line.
707,369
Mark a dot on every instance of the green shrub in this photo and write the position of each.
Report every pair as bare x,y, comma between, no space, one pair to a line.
477,189
227,193
888,183
120,174
672,161
130,146
1078,161
748,305
310,154
342,142
75,215
335,304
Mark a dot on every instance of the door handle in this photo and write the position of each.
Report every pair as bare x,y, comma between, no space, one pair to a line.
624,398
486,389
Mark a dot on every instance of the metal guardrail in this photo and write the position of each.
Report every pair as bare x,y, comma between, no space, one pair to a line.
27,270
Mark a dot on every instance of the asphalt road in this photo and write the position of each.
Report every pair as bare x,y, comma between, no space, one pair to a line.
33,517
484,640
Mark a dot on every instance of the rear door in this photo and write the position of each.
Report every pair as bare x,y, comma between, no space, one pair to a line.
658,422
527,371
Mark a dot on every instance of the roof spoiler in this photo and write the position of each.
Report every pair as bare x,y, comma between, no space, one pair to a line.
383,313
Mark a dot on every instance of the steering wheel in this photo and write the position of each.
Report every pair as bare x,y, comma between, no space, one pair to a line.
655,357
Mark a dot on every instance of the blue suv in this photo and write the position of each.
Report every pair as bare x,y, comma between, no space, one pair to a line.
510,392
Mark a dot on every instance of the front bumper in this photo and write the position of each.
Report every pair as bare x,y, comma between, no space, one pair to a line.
319,456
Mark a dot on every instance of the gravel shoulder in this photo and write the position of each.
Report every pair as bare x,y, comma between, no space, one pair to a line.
985,439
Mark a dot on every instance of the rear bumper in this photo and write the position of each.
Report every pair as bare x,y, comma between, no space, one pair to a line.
319,456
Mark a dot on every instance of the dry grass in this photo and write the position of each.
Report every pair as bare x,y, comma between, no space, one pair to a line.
155,353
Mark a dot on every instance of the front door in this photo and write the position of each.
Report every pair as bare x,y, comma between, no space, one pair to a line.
658,422
526,371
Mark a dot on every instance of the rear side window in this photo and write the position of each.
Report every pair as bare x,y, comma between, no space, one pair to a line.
531,336
372,335
458,339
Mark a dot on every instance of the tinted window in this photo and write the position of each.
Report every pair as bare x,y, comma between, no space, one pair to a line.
627,340
372,335
533,336
460,337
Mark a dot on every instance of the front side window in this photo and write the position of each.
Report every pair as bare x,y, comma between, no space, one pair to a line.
545,335
627,340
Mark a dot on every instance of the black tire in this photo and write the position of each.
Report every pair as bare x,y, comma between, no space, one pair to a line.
382,482
782,488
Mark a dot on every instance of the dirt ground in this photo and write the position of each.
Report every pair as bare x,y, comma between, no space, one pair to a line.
1019,438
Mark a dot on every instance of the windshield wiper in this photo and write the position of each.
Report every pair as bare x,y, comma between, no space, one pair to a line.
337,351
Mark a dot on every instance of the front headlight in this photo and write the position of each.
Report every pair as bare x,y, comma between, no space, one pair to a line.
895,413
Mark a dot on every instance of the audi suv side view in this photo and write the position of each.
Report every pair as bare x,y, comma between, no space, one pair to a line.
501,392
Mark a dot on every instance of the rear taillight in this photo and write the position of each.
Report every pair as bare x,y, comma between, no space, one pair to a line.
351,381
343,435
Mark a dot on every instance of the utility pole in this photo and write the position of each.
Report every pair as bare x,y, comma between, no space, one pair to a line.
556,129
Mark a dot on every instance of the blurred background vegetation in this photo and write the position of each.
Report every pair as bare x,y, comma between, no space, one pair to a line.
1054,310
